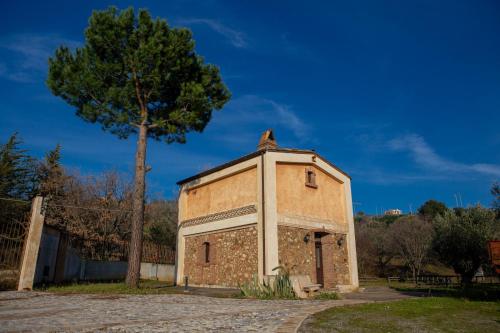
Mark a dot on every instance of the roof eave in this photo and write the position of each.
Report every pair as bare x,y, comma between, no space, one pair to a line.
255,154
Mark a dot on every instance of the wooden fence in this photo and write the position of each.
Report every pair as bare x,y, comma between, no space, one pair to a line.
443,280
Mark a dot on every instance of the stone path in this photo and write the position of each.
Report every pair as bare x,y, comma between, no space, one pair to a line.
45,312
382,294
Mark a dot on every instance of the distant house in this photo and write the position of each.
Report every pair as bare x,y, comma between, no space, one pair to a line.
273,207
393,212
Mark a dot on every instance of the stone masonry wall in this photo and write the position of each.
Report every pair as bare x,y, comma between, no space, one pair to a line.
299,256
335,260
294,253
233,258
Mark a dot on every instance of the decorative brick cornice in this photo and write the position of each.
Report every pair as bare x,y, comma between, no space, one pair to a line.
250,209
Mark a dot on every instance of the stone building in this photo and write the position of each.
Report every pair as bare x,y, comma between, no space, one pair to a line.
272,207
395,212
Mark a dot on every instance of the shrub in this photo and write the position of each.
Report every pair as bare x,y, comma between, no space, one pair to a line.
461,239
279,288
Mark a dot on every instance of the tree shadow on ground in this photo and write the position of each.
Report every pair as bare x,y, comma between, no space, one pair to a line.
476,292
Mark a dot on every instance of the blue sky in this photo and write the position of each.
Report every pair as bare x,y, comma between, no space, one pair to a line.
404,96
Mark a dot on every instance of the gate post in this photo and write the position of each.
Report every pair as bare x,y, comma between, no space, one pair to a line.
32,245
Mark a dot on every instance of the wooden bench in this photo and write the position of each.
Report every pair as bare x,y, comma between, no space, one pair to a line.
393,278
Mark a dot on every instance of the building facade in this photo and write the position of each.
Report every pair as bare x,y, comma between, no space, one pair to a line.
272,207
396,212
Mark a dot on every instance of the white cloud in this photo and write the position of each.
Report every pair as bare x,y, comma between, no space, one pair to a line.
245,113
235,37
25,56
425,156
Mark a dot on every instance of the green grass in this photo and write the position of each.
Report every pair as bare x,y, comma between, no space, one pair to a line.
382,282
145,287
480,292
430,314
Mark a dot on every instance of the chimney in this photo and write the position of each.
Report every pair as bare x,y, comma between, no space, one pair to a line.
267,140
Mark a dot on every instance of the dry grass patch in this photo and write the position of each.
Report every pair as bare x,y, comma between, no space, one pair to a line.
432,314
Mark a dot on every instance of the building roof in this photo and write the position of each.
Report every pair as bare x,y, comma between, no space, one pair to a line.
254,154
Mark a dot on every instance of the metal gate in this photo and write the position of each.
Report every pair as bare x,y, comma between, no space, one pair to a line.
14,225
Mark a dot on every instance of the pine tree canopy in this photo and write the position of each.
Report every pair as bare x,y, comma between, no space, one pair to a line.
17,170
51,174
135,70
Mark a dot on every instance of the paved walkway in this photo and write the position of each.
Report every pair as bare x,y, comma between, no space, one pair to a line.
382,294
45,312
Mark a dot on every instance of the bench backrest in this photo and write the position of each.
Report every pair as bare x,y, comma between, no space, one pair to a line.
299,282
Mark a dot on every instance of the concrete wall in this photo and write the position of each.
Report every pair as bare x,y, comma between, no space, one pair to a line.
72,265
82,270
160,272
326,202
227,193
47,255
117,270
103,270
77,269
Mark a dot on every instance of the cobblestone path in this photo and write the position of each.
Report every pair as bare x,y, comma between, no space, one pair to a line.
45,312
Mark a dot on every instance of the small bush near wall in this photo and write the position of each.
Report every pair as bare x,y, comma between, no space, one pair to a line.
280,287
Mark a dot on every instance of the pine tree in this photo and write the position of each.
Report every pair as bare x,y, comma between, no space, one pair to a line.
137,75
18,178
51,174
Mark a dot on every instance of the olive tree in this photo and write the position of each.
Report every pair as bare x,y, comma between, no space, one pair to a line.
431,208
461,239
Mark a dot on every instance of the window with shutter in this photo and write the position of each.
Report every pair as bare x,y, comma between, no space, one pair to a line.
311,178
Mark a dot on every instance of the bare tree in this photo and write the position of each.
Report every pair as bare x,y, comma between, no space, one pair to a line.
96,208
413,240
375,247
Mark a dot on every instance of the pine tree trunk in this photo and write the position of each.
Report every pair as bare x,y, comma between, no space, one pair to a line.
135,249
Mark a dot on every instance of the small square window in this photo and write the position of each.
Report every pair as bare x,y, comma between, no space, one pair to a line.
311,178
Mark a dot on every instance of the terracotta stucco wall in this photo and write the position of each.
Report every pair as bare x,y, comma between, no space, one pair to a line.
295,254
233,259
327,201
227,193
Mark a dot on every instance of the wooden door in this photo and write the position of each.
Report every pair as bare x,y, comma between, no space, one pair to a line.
319,263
